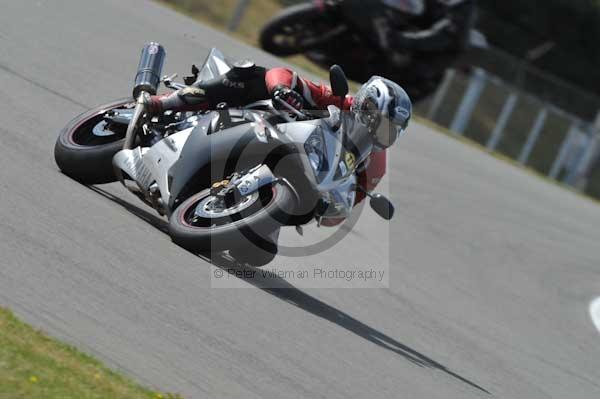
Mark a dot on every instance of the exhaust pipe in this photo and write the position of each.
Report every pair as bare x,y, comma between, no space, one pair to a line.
146,83
149,70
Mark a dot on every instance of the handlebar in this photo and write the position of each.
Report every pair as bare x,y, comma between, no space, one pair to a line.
291,109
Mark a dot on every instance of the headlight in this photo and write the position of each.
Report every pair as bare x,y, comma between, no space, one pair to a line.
315,149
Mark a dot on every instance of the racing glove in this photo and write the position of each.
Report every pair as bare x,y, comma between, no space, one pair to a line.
288,95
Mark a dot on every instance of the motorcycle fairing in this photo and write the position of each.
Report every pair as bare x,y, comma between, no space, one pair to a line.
216,155
338,180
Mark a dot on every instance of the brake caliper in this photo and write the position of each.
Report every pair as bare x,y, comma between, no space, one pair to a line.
226,191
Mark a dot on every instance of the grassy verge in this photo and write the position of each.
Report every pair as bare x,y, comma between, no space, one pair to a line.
33,366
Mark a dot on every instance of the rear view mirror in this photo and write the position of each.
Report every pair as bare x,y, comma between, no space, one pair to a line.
382,206
339,82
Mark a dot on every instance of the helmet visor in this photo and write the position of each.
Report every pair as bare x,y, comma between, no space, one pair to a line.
394,122
385,127
387,133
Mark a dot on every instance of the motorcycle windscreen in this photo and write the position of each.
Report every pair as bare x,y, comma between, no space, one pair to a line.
214,65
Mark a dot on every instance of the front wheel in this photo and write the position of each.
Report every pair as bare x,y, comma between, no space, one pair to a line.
204,223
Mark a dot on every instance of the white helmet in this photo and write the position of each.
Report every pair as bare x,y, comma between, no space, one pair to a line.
411,7
380,100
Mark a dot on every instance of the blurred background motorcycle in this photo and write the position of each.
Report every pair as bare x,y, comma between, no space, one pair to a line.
409,41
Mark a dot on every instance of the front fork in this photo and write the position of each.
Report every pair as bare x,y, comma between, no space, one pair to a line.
238,186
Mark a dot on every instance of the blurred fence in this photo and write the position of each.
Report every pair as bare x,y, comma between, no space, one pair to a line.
526,127
519,73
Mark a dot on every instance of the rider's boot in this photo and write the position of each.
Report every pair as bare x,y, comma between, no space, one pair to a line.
186,99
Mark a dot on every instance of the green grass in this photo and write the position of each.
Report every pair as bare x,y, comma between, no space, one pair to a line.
34,366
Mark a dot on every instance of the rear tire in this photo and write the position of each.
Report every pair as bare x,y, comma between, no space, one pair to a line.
85,157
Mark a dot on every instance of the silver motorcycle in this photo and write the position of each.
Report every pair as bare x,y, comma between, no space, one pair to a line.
229,178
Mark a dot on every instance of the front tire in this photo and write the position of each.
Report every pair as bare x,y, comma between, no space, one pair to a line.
85,156
195,227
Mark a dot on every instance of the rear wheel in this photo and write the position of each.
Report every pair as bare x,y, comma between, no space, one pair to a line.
297,29
204,223
85,147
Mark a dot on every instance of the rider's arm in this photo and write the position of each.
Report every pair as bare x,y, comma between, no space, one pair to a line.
186,99
280,77
316,96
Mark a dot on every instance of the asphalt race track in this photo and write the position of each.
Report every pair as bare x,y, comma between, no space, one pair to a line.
492,269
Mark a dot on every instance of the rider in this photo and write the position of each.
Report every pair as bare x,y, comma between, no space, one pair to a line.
246,83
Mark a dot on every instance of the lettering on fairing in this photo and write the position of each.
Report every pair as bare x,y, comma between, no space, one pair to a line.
232,84
143,174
